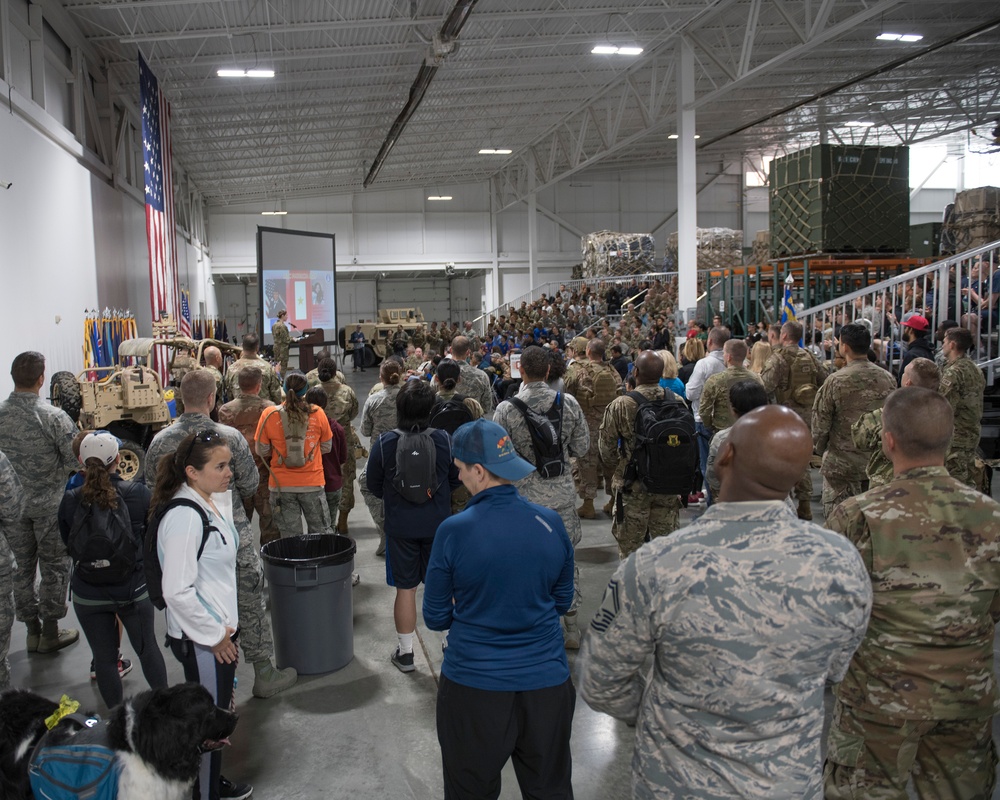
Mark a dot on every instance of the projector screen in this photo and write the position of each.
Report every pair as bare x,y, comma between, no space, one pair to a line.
297,271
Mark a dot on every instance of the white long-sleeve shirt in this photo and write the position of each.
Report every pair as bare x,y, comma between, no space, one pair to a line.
703,370
200,593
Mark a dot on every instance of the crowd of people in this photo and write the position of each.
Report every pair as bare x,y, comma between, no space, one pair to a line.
748,612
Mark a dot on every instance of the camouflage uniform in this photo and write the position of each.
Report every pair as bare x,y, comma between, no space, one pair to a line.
433,343
590,471
777,379
377,417
282,340
270,384
219,393
419,337
38,440
713,405
255,634
342,405
638,514
460,495
11,506
476,384
858,387
243,413
962,384
747,613
867,435
920,692
555,493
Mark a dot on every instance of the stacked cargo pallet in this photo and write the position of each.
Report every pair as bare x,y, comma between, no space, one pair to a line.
606,253
761,248
974,220
718,248
840,199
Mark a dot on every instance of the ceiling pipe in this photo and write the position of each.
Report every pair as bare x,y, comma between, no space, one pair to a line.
443,46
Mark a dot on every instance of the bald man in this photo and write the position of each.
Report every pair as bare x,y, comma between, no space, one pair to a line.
748,612
212,356
920,693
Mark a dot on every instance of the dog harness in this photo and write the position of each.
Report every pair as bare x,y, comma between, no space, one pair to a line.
74,760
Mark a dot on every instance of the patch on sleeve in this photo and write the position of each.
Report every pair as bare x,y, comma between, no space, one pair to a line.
609,609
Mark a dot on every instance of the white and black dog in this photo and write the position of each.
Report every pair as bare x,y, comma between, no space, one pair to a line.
158,736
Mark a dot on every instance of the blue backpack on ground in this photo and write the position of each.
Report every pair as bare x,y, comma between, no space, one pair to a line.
75,761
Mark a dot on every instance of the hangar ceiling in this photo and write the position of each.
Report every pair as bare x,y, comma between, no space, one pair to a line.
769,75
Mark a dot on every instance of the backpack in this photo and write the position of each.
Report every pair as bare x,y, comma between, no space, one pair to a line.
546,436
75,760
101,544
665,451
605,387
416,466
802,379
151,556
449,415
295,439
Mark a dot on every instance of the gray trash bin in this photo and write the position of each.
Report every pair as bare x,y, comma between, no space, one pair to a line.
312,610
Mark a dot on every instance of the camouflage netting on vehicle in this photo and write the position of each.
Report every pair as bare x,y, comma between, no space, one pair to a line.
718,248
974,220
609,253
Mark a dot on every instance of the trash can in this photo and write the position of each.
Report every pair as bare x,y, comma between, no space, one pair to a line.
312,610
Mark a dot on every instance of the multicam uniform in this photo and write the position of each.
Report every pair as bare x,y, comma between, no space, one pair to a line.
555,493
920,692
637,512
37,438
270,384
243,413
377,417
11,506
591,471
962,384
282,341
867,436
219,388
342,405
792,376
255,634
858,387
747,613
476,384
713,405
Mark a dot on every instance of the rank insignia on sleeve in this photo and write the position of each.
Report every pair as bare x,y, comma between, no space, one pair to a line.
609,608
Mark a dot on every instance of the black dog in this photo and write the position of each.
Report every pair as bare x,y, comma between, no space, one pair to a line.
159,737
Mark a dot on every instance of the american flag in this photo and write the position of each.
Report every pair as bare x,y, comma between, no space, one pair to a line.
184,323
160,231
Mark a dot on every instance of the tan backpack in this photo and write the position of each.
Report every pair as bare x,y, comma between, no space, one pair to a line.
605,387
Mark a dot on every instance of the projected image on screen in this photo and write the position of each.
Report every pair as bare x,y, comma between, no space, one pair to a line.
297,274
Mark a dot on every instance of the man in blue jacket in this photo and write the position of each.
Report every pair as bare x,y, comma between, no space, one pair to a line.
410,525
500,576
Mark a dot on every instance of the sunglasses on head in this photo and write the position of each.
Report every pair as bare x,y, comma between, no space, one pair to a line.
202,437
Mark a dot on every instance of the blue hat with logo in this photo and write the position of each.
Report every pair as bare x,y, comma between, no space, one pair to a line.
484,442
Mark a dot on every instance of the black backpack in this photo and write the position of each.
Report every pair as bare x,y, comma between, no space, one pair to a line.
546,436
151,558
451,414
665,451
416,466
101,543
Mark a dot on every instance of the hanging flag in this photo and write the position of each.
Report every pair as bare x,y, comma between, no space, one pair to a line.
160,231
788,308
184,324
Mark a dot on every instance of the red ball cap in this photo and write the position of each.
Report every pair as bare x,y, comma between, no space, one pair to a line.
918,323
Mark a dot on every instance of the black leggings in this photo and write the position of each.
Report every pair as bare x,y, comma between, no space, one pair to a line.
101,630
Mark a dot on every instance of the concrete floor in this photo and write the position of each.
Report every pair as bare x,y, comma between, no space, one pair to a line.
366,731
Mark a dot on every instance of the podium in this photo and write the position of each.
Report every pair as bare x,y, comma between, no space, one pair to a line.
311,337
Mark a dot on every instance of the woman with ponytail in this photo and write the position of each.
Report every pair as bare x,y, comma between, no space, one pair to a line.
378,417
104,508
292,438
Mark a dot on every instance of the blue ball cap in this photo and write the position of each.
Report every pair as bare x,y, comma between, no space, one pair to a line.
484,442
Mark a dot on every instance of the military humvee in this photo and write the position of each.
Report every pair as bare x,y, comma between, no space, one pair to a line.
379,334
127,400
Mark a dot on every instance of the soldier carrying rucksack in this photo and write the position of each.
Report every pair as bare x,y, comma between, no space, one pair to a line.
650,435
792,376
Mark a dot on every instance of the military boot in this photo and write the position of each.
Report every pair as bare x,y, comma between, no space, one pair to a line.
342,522
609,506
55,638
586,511
571,632
268,680
34,634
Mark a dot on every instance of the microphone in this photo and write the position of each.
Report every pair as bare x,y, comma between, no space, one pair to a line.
294,325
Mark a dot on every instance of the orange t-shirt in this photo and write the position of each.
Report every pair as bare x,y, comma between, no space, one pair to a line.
269,431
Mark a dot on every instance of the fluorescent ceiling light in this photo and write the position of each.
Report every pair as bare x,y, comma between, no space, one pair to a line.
910,37
439,197
899,37
613,50
273,213
856,123
674,136
245,73
490,151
